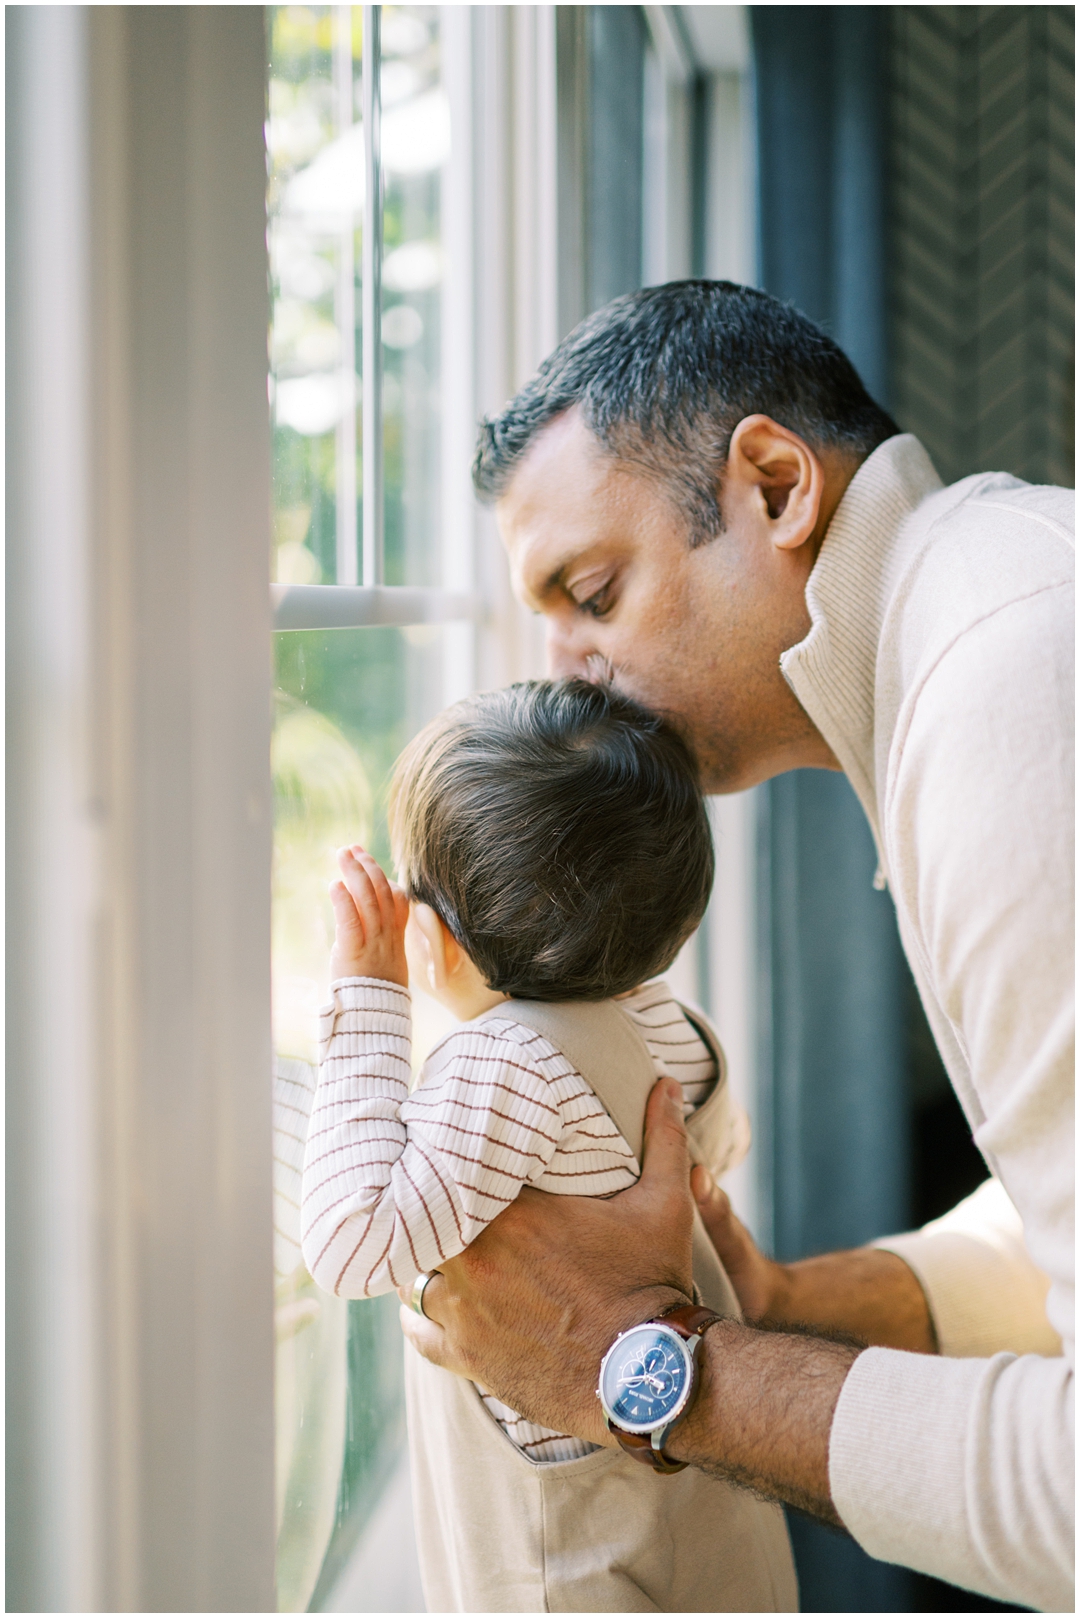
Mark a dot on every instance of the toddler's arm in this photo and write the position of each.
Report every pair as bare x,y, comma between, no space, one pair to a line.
394,1185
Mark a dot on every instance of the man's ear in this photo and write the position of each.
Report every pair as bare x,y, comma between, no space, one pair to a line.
778,473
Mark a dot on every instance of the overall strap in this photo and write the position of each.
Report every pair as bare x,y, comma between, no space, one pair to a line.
605,1047
610,1053
708,1036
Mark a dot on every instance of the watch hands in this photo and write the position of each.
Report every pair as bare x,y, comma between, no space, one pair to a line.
659,1384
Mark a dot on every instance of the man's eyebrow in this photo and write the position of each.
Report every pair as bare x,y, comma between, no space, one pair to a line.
556,580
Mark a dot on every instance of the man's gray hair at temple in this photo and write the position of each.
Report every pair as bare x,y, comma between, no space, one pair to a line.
664,376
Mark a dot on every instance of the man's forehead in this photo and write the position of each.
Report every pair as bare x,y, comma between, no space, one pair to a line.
562,503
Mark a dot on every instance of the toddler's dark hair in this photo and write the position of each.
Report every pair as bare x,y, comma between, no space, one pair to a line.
559,830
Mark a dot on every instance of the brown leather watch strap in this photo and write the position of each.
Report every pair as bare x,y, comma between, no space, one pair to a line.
689,1320
639,1446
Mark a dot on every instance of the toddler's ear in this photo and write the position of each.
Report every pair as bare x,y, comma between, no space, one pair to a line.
425,941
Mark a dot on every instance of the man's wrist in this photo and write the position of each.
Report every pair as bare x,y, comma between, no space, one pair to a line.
763,1410
693,1440
647,1303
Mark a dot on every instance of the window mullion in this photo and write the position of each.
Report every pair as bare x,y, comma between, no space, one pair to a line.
345,317
371,274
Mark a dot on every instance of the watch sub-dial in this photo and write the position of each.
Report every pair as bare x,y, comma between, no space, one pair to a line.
651,1380
633,1373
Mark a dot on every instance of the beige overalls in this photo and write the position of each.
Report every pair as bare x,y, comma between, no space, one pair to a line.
498,1532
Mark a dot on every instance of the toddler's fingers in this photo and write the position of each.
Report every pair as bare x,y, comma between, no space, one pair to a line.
358,882
381,886
345,912
341,898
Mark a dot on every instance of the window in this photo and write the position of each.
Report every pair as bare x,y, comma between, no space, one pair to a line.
361,565
463,238
389,593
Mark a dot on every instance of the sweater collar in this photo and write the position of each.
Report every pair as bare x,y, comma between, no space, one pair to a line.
833,671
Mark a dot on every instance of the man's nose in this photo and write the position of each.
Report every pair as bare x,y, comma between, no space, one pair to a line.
567,657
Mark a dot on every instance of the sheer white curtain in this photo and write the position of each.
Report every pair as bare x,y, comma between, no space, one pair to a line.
139,1301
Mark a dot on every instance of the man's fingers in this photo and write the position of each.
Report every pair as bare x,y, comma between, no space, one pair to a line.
728,1234
666,1154
434,1286
425,1336
754,1277
714,1206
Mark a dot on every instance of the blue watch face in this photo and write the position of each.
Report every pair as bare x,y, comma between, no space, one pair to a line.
644,1378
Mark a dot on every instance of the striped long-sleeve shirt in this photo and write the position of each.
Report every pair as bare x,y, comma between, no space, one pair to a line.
396,1183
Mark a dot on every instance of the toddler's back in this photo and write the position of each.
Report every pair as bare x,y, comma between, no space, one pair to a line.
547,1523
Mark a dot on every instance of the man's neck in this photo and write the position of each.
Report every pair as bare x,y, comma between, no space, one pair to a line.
839,466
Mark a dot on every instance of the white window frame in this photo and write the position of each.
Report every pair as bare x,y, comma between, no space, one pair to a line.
499,292
499,222
140,1279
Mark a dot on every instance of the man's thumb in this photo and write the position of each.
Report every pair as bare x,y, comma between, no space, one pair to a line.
665,1150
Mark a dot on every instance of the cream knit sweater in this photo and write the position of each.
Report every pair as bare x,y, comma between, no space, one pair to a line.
939,669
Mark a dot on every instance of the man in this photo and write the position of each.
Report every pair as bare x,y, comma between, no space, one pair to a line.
700,497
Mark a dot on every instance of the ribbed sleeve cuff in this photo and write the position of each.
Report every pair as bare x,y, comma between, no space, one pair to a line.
369,994
984,1297
385,1007
896,1458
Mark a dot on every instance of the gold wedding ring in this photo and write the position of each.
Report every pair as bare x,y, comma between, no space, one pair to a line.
417,1299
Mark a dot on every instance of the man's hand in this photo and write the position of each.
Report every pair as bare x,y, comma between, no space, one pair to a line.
864,1293
758,1281
530,1308
370,914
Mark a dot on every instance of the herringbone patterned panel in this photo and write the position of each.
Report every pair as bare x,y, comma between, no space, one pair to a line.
982,236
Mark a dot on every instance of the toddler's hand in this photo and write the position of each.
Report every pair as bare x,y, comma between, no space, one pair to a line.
370,913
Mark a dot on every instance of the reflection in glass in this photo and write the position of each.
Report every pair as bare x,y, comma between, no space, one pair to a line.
346,703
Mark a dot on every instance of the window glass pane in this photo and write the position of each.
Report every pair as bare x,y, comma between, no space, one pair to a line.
346,702
416,148
315,197
315,202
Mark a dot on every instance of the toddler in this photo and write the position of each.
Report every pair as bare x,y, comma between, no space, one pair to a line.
553,846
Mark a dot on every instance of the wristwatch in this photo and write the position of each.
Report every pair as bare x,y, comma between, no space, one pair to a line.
648,1379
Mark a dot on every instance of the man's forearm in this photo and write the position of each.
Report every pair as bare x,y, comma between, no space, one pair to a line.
530,1308
865,1293
767,1397
763,1412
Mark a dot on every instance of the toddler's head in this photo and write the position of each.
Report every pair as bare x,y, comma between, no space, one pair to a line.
558,831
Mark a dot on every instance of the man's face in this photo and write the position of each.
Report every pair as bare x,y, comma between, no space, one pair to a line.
696,633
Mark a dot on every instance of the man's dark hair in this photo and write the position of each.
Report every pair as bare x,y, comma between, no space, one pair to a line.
664,376
559,831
